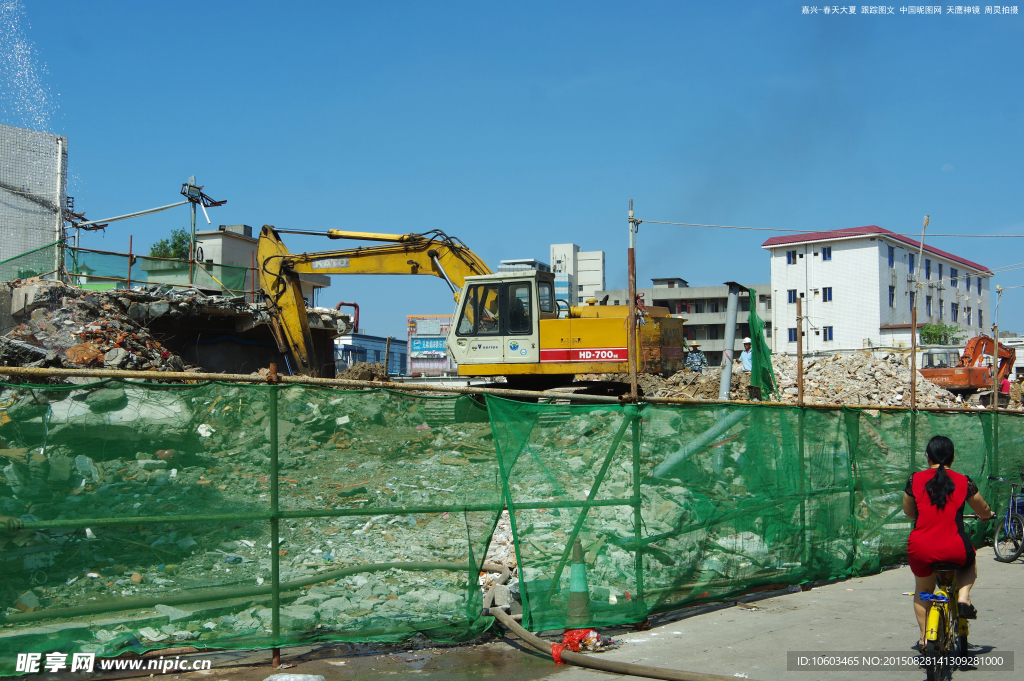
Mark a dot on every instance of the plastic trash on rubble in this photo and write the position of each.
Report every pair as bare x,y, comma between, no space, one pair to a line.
582,639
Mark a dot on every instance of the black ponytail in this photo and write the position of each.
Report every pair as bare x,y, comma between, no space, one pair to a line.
941,486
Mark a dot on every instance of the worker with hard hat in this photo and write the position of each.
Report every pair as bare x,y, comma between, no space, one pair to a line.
745,357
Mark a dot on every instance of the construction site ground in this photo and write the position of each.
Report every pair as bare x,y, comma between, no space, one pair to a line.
749,640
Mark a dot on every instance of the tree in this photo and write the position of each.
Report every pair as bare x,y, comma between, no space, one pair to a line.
177,246
942,334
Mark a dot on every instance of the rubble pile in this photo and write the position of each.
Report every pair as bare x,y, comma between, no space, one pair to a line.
364,371
62,326
67,327
858,378
210,454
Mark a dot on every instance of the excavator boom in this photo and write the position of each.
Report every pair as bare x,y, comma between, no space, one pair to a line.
432,253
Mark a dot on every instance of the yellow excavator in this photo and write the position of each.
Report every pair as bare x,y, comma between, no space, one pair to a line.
506,324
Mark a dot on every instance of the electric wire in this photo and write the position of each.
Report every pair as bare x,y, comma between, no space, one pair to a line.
837,232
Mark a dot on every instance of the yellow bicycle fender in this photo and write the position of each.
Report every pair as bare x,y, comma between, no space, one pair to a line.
932,629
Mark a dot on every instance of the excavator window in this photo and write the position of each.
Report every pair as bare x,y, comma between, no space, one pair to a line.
519,308
480,315
546,297
468,320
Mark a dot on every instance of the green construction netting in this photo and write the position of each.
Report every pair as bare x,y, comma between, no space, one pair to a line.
147,508
147,511
38,262
97,268
679,504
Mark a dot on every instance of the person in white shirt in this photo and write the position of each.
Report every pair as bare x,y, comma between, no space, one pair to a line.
745,356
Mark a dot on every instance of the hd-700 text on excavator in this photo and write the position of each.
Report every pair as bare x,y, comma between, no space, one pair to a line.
507,324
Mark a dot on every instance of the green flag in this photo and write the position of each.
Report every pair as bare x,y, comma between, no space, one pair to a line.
761,373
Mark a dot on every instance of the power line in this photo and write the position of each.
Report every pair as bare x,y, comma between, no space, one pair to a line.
837,232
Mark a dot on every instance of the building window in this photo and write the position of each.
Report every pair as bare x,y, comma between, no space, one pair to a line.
911,262
698,306
940,273
713,306
913,299
967,283
581,288
954,312
827,333
979,285
826,252
952,278
826,294
792,335
968,315
892,257
791,295
768,329
942,311
744,304
980,325
927,268
790,257
928,305
713,332
766,301
892,296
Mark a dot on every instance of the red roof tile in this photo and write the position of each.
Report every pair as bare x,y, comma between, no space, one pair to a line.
868,230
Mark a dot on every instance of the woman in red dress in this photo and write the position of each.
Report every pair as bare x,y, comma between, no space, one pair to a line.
934,499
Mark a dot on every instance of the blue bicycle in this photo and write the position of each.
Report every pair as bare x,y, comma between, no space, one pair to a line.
1009,541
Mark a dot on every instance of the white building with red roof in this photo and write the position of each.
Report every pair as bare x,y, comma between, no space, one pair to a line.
858,286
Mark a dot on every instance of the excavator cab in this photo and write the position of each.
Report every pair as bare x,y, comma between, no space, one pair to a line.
498,318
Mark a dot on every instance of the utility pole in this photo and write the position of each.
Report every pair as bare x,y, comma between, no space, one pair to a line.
631,320
799,351
995,351
730,339
913,318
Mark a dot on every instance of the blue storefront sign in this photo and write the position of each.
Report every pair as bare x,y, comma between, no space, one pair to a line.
426,346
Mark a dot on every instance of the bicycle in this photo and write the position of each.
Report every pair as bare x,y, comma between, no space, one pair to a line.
1009,539
944,630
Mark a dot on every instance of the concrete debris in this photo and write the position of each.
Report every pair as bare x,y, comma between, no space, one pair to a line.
55,325
82,329
858,378
364,371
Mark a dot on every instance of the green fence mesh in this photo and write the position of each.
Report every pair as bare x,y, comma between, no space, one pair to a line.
147,516
38,262
675,505
158,515
103,269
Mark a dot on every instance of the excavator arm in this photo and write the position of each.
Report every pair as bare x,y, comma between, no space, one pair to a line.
979,346
432,253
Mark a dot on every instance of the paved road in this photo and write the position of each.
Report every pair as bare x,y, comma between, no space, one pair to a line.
860,614
869,614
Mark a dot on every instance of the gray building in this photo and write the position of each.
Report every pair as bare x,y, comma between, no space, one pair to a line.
703,307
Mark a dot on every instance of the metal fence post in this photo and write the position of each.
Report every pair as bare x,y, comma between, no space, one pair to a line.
638,518
275,554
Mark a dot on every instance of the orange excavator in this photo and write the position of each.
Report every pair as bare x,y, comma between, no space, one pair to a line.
969,376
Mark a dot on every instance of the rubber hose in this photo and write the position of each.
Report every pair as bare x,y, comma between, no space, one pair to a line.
605,665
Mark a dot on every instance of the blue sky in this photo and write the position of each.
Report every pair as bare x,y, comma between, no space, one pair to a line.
516,125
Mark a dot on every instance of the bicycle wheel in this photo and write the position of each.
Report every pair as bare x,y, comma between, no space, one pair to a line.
931,669
1009,541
